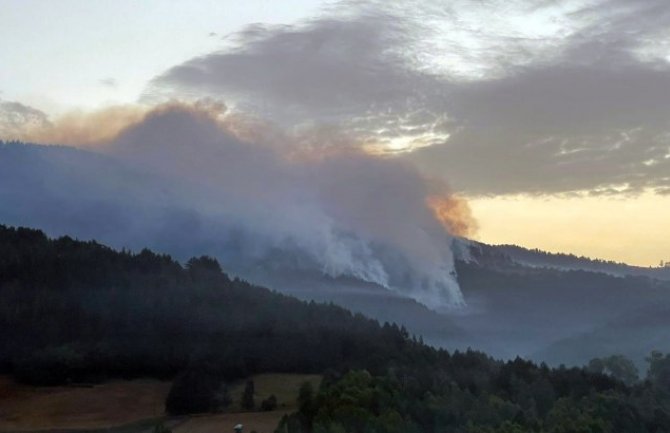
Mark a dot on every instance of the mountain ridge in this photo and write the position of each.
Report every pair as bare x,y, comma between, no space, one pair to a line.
468,249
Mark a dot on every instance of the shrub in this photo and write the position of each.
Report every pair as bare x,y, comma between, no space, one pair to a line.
248,396
269,403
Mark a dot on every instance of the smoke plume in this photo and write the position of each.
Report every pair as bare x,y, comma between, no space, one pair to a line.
83,128
256,196
453,212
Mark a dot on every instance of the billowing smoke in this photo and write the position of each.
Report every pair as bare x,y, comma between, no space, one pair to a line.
256,196
89,128
453,212
81,128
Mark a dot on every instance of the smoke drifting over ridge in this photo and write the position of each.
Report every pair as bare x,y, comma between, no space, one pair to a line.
83,128
255,195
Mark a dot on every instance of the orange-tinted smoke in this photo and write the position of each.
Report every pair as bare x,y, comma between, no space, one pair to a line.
79,128
92,128
453,212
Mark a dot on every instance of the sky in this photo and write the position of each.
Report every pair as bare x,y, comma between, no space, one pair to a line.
70,54
552,118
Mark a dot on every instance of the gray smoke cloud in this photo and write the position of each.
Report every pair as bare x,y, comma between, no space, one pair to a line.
346,213
188,179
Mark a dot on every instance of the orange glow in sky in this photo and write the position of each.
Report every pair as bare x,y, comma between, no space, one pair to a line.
634,230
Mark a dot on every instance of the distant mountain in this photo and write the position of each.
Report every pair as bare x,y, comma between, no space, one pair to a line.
63,190
367,298
553,313
518,301
634,334
469,249
67,191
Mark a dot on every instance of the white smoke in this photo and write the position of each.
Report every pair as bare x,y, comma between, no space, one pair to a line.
257,197
343,211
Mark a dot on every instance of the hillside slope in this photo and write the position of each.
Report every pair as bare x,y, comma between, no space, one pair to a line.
80,311
519,309
561,261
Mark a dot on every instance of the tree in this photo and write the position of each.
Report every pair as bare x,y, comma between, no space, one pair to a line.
248,396
193,391
222,398
305,396
203,263
659,370
306,404
269,403
161,428
617,366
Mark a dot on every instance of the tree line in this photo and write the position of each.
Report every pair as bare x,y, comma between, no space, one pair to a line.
75,311
471,393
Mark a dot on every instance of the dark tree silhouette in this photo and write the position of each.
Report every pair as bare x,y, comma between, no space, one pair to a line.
247,402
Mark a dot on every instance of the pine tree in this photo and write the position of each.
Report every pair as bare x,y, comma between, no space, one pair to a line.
248,396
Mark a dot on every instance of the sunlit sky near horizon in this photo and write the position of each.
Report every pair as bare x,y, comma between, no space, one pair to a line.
632,230
552,118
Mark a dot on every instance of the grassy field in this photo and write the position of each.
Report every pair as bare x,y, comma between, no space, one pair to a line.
135,406
27,408
284,386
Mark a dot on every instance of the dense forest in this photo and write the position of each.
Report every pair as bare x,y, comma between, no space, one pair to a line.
75,311
475,394
79,311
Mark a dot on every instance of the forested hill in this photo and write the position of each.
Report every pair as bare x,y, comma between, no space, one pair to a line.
79,311
538,258
76,311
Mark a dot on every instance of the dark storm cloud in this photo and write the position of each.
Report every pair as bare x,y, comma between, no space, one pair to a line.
583,108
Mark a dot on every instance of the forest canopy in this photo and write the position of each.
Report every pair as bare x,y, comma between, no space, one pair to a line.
76,311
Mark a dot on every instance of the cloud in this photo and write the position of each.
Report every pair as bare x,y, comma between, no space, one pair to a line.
596,118
557,130
16,118
534,97
109,82
320,72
